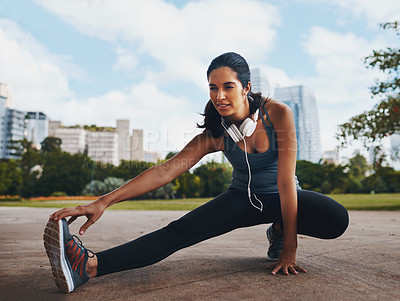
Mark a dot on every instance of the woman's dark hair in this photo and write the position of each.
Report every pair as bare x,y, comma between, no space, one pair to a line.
212,119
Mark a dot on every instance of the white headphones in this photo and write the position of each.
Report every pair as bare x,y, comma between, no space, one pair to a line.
246,129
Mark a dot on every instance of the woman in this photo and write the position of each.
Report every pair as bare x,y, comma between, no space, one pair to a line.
258,137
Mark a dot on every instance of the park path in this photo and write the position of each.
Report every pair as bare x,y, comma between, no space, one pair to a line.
363,264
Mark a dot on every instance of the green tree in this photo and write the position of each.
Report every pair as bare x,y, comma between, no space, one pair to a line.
51,144
100,170
324,178
170,155
28,157
335,178
391,178
97,187
310,175
10,177
127,169
30,164
187,185
63,172
165,192
384,179
112,183
358,168
214,178
384,119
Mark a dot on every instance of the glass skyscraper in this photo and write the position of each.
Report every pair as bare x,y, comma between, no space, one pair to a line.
303,104
3,123
12,123
37,126
14,130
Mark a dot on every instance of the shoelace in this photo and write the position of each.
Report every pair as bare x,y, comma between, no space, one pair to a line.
80,244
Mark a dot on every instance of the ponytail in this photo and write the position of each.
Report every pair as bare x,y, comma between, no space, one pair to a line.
256,101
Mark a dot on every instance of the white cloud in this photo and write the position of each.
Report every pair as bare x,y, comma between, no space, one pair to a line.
168,121
183,40
33,74
38,83
126,60
375,12
278,77
342,82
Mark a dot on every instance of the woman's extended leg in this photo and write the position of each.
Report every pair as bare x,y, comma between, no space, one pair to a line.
226,212
318,216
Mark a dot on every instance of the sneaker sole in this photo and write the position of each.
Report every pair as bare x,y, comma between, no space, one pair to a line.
53,238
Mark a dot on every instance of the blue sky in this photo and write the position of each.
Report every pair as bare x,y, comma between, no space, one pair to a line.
93,61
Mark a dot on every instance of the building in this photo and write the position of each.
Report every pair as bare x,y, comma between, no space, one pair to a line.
395,147
14,129
19,125
53,126
73,139
6,95
124,140
102,146
137,152
331,157
303,104
12,124
152,156
37,127
260,82
130,147
16,124
106,145
3,120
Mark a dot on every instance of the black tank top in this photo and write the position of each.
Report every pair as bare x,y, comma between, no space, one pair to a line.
264,166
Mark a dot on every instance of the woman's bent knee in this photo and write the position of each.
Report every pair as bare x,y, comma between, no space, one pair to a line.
340,219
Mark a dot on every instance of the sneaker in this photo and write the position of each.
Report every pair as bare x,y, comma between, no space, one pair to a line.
67,257
275,244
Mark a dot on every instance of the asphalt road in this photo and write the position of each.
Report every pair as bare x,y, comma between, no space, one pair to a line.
363,264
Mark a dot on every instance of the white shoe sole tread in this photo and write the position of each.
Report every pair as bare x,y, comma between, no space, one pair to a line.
53,238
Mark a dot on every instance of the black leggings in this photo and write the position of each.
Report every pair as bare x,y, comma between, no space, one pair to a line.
318,216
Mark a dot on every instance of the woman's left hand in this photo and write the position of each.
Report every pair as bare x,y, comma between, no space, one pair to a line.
286,263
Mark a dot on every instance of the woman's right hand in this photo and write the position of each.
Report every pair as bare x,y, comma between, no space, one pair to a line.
92,211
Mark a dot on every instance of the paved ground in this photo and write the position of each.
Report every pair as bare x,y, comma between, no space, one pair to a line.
364,264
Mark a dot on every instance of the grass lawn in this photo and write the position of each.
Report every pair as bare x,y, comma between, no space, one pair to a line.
350,201
382,201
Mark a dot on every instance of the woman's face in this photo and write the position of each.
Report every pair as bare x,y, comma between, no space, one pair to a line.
227,94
